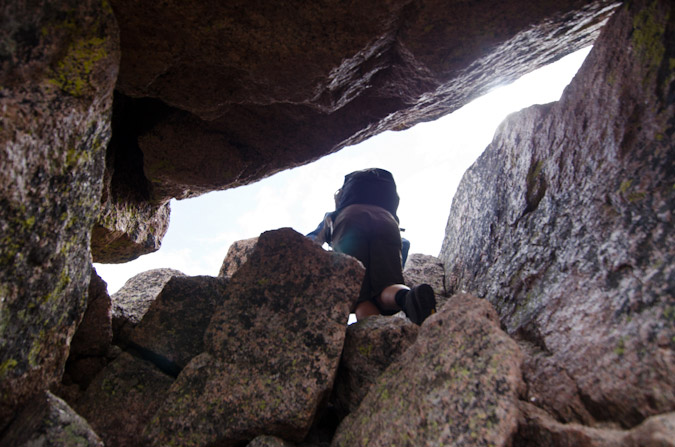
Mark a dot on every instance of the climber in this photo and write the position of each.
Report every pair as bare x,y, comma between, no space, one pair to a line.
365,225
405,243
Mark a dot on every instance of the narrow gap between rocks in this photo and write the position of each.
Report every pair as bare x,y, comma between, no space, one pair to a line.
427,161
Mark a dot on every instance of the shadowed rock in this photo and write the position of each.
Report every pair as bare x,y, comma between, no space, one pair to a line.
94,334
268,441
272,348
371,345
122,399
58,65
91,343
247,90
539,429
565,225
458,384
172,330
48,421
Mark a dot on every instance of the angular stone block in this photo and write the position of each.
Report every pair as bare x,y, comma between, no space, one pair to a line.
371,345
122,399
458,384
48,421
272,348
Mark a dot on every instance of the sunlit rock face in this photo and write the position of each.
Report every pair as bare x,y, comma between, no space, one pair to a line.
565,224
220,94
58,64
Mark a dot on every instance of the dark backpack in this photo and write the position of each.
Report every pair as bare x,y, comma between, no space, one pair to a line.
372,186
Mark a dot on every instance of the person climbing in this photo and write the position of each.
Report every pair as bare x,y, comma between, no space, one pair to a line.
365,225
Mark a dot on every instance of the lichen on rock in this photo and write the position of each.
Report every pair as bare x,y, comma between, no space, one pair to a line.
565,225
59,65
271,349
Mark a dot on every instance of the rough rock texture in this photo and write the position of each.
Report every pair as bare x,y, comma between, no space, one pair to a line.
426,269
91,343
94,334
133,300
371,345
47,421
268,441
565,224
130,223
272,348
457,385
128,229
122,399
539,429
58,63
236,256
246,90
550,387
172,330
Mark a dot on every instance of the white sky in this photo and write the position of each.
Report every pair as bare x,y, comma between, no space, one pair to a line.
427,162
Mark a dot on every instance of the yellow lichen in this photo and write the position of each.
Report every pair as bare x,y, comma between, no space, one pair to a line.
648,32
6,367
72,74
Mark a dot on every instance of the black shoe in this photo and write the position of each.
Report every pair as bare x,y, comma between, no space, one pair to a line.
420,302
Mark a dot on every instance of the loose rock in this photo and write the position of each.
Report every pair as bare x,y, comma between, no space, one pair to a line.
132,301
371,345
458,384
272,348
122,399
237,255
48,421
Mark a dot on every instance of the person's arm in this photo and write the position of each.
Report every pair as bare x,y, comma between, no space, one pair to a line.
405,248
322,233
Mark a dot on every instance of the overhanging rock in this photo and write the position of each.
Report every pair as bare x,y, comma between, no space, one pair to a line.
246,90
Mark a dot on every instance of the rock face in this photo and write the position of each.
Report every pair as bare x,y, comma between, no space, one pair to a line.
271,349
220,360
268,441
251,89
132,301
58,65
565,224
94,334
457,385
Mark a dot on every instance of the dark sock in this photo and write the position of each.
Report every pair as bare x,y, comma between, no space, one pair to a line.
400,298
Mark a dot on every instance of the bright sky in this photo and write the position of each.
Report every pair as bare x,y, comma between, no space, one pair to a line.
427,162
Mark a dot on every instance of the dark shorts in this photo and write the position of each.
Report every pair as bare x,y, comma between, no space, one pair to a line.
371,235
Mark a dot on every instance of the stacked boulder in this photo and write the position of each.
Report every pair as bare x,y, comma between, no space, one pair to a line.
222,360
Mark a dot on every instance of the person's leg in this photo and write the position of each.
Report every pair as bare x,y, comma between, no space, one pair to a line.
349,237
365,309
387,299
